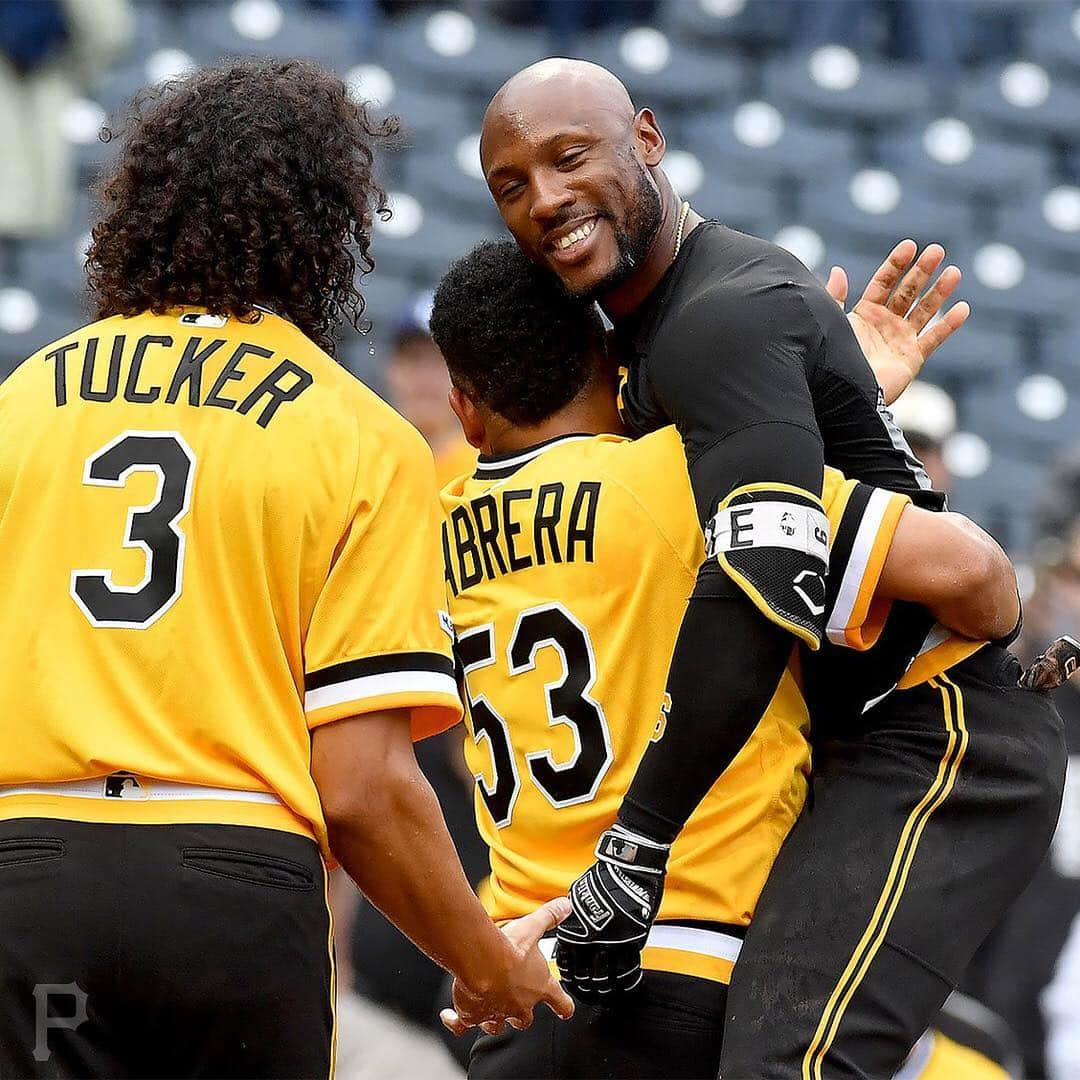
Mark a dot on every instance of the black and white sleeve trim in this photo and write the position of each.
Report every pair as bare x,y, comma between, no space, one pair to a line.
377,676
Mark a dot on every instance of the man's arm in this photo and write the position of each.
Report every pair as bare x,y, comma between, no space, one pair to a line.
733,381
386,828
954,569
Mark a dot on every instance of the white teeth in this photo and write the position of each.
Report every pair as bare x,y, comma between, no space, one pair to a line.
578,234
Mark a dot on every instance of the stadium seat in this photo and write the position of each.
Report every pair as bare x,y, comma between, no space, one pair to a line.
1047,223
1002,500
385,298
1024,101
750,22
1059,355
1053,38
122,83
443,49
431,122
832,85
751,208
83,120
1031,416
949,156
282,28
1010,292
29,321
756,141
452,180
668,75
420,242
978,356
1072,165
872,209
55,269
858,264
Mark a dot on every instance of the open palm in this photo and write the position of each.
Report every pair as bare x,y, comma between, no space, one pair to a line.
892,317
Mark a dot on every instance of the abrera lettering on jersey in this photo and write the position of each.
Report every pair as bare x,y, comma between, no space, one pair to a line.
489,539
95,379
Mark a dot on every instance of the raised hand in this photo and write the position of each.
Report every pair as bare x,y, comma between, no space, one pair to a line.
891,319
509,996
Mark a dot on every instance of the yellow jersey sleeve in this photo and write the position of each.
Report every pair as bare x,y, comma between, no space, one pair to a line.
379,636
863,521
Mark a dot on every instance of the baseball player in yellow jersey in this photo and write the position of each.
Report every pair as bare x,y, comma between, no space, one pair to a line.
569,557
221,620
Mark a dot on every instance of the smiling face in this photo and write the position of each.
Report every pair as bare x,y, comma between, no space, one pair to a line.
567,162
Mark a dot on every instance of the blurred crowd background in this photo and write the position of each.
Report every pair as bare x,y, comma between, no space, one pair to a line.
834,127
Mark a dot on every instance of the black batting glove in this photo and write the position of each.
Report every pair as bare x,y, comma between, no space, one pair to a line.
615,901
1054,667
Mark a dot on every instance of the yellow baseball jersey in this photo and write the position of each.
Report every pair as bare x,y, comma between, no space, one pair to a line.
214,539
937,1057
452,460
568,568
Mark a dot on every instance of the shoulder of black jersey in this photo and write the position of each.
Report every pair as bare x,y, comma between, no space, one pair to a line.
745,255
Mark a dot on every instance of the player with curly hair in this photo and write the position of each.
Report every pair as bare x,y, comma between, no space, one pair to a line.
225,629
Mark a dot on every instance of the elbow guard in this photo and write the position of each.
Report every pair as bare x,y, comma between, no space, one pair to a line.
772,540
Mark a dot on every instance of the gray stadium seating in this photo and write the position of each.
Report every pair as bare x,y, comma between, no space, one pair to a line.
1053,38
475,60
829,205
722,22
692,78
1030,224
210,31
1055,117
992,168
754,141
883,93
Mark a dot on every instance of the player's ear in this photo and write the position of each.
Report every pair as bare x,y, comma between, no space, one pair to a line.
650,139
472,423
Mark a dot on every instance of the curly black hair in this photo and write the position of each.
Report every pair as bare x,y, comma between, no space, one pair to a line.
243,185
512,337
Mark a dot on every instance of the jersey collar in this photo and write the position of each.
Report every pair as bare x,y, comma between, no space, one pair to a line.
498,466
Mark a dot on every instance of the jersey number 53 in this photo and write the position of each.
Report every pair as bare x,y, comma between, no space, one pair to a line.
566,783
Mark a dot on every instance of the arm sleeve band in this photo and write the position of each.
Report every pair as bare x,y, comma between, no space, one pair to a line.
765,529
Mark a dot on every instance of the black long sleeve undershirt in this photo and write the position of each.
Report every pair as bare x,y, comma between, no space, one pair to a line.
727,664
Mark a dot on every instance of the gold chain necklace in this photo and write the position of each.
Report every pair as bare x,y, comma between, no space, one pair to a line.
679,232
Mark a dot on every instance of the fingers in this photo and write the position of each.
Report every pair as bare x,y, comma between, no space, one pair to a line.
837,285
914,281
520,1023
888,273
559,1001
529,929
453,1023
931,303
941,331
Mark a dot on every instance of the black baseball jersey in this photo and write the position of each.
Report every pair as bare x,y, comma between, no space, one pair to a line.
743,349
739,334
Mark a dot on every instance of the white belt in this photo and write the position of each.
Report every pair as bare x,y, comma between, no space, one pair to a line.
691,939
129,787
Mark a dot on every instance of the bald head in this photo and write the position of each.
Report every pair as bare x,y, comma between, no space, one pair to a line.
575,84
575,171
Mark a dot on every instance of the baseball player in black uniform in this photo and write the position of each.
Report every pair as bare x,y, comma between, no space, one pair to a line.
932,804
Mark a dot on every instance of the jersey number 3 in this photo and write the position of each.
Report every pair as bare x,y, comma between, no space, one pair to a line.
568,703
153,528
